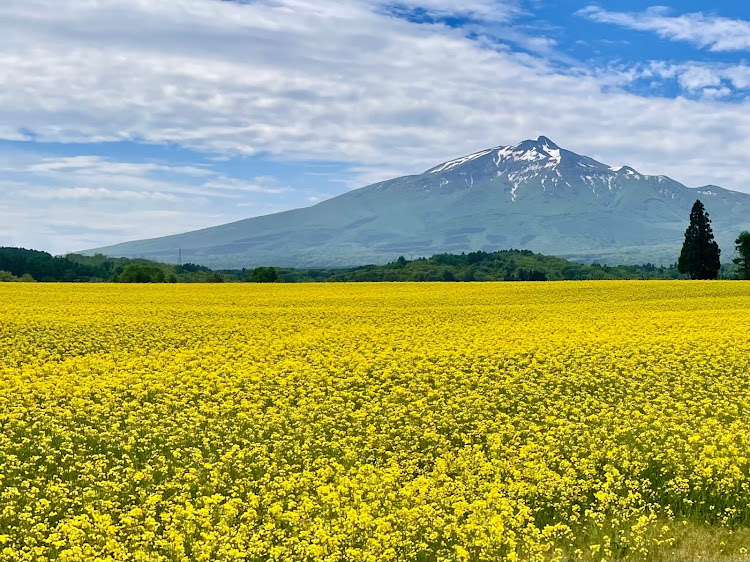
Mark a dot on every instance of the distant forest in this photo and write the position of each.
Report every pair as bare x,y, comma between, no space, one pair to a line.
504,265
18,264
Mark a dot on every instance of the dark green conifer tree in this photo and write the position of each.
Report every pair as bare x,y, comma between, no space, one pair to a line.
742,245
700,254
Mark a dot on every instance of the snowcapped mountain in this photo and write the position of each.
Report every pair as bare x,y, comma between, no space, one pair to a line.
534,195
556,169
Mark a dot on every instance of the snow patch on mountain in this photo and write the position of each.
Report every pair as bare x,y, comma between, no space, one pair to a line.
458,161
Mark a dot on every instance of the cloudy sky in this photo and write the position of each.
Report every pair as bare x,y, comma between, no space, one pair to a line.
125,119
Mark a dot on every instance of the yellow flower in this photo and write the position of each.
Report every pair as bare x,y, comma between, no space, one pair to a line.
370,421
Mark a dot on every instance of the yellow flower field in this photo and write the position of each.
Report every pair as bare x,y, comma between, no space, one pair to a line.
372,422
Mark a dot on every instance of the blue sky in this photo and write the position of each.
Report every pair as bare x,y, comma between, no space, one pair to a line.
126,119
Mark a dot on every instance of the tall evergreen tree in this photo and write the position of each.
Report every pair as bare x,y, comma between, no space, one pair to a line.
700,253
742,245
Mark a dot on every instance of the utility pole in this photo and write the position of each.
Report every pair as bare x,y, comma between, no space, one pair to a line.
179,257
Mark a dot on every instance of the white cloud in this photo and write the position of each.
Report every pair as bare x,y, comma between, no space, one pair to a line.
260,184
695,77
739,75
721,80
716,93
98,174
97,165
94,171
100,193
706,31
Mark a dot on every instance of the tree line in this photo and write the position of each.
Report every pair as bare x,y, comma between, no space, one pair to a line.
20,264
503,265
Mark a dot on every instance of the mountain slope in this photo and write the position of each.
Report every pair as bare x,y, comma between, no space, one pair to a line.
534,195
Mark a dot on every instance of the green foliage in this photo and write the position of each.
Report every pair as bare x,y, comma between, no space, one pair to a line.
700,254
27,265
742,261
136,273
7,277
44,267
505,265
264,275
191,268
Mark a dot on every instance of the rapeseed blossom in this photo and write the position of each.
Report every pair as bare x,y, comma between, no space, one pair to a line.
370,422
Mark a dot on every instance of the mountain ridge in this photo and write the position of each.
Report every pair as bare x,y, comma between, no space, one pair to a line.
533,195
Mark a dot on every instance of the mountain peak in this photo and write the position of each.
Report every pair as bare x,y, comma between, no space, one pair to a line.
528,150
541,143
544,141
